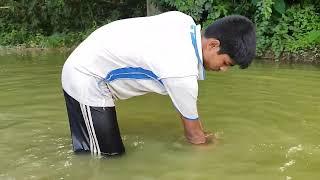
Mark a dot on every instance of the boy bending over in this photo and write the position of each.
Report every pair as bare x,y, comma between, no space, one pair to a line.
165,54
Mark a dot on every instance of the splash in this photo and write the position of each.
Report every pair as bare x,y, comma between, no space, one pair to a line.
288,178
286,165
67,164
294,150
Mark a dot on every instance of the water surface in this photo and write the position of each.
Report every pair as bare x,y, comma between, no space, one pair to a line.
266,119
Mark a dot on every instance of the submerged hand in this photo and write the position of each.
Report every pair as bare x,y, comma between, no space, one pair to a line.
194,133
209,136
200,137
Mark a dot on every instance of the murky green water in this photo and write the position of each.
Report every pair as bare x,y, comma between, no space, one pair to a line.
266,118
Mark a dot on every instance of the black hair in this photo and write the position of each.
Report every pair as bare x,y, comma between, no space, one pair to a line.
237,38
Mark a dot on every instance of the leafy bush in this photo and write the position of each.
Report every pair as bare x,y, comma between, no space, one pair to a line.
59,22
282,25
297,29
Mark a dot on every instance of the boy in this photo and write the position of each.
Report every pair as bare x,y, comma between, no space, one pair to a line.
165,54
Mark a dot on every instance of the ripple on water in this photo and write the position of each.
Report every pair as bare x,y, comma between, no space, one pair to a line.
293,150
135,141
287,165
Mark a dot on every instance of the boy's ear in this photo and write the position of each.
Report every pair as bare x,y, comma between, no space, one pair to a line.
213,43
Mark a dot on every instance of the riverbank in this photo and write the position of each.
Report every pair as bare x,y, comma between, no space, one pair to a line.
301,57
311,56
31,51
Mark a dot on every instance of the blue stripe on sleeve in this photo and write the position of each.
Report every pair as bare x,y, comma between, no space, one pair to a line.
191,119
195,46
194,43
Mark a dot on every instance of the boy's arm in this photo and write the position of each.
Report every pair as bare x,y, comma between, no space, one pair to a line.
183,92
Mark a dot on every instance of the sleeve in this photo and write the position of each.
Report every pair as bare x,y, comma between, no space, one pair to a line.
183,92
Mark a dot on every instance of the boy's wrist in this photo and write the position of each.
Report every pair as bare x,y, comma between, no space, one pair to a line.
195,136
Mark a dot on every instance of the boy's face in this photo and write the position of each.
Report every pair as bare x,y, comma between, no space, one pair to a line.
212,60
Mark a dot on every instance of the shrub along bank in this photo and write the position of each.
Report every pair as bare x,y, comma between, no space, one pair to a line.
286,29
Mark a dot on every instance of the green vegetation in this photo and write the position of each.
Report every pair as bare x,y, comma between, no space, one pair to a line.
283,26
59,23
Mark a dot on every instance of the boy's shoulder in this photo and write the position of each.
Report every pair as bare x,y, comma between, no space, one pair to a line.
175,15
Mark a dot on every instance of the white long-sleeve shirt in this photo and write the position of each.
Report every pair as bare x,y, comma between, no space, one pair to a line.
132,57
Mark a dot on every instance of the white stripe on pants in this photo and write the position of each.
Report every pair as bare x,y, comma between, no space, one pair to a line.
94,145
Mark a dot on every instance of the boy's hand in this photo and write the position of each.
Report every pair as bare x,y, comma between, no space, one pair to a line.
199,137
209,136
194,133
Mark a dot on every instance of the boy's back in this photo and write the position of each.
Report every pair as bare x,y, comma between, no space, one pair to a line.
158,46
156,43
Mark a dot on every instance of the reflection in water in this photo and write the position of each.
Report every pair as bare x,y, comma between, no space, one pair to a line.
265,120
